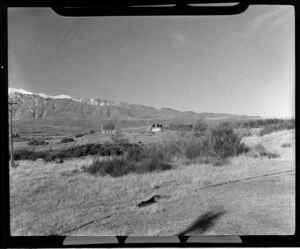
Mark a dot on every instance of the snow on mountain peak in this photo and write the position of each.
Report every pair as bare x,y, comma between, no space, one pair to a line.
61,97
21,91
91,101
14,90
42,95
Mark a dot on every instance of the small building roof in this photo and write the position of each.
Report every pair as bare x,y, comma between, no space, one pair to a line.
109,127
156,125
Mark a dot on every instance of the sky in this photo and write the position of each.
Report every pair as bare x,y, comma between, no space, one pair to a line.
240,64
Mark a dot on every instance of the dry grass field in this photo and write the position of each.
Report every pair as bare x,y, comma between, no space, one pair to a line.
133,135
251,195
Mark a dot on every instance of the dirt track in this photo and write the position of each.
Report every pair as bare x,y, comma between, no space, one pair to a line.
255,206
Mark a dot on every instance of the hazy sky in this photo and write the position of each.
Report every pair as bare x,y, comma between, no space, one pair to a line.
241,64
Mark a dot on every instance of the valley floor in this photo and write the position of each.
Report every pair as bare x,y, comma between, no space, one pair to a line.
249,196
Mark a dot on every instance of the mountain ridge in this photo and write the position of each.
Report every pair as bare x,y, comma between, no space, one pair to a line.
68,110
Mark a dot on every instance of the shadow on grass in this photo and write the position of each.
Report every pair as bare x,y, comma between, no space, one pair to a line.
203,223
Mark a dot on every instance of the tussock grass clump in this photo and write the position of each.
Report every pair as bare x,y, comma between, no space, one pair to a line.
286,145
260,151
218,161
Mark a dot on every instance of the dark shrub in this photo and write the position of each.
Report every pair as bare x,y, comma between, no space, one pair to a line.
262,151
135,153
245,132
22,154
136,160
199,147
277,127
272,155
35,142
67,140
189,146
119,166
114,167
123,141
92,131
180,126
260,123
25,154
224,142
49,156
59,160
16,135
79,135
74,151
200,127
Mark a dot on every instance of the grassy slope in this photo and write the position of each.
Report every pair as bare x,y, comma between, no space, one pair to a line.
249,196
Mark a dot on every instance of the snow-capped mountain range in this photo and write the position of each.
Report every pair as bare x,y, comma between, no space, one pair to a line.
69,111
92,101
21,91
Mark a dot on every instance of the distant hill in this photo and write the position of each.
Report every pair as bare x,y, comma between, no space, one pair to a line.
63,110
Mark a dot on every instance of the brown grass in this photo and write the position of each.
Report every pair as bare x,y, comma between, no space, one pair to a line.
54,198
